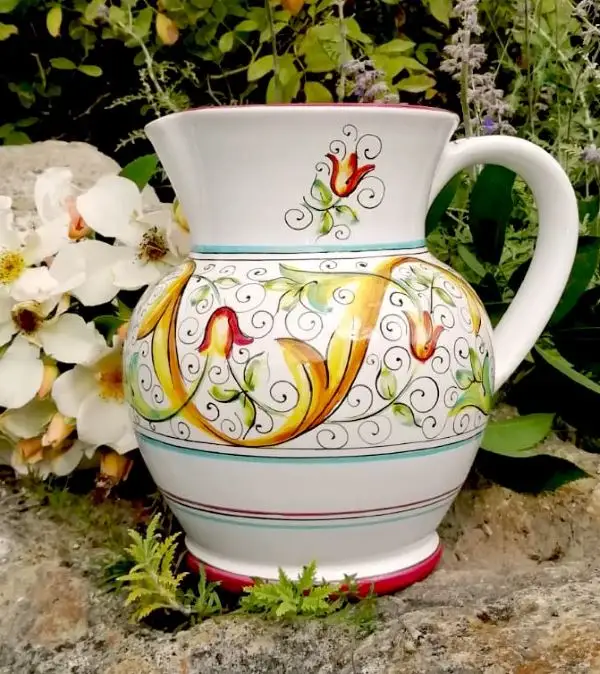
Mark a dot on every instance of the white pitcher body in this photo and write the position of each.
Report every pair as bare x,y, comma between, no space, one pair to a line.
312,384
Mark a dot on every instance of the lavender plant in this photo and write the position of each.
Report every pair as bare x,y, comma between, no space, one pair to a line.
484,108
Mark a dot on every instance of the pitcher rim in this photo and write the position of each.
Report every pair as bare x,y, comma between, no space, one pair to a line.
405,108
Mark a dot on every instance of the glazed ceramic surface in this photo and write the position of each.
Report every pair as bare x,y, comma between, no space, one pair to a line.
312,384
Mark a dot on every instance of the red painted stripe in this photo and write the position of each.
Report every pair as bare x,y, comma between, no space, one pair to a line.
391,582
295,515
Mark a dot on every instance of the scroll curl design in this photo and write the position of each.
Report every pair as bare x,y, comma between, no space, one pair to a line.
341,186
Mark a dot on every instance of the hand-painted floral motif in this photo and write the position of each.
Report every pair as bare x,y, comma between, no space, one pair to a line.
341,186
423,334
346,174
262,362
222,332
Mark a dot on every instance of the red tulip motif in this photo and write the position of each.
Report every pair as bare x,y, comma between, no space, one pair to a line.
423,334
346,174
221,333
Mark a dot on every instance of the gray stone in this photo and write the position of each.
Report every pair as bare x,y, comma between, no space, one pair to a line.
21,164
502,602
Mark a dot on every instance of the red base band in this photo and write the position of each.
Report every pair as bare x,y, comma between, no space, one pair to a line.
391,582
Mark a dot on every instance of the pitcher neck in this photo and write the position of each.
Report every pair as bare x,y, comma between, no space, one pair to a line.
303,178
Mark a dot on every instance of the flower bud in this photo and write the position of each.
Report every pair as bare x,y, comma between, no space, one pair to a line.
57,432
48,379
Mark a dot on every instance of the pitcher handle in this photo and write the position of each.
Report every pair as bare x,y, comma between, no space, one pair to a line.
556,245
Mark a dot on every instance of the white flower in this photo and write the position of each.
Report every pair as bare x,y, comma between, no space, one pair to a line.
19,252
93,395
55,197
66,338
93,262
114,208
29,442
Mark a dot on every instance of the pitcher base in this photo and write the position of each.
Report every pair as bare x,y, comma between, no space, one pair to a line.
380,584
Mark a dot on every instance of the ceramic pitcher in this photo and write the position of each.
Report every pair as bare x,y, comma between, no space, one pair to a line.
312,384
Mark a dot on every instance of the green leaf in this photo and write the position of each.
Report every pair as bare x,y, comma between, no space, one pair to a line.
247,26
62,63
90,70
441,10
226,282
531,475
108,325
474,396
277,92
582,273
256,370
490,207
588,209
289,300
226,41
354,32
200,294
315,92
488,383
280,284
17,138
442,203
387,386
397,64
143,22
471,261
560,364
53,20
416,84
26,122
395,47
260,67
224,395
248,412
326,223
475,364
514,437
321,192
347,211
140,170
464,378
7,6
444,296
404,413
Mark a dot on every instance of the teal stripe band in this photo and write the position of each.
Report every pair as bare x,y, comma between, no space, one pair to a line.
307,527
325,248
221,456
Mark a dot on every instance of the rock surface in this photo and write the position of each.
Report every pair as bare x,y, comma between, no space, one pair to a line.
21,164
518,590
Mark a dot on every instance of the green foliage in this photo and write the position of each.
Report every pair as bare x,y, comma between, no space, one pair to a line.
152,584
141,170
288,598
197,52
305,597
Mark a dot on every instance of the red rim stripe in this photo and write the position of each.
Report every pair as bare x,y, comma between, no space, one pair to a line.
384,584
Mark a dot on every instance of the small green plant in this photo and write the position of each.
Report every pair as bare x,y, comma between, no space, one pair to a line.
153,585
307,598
290,598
